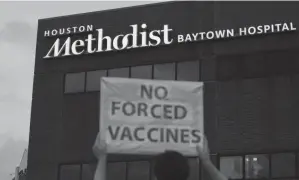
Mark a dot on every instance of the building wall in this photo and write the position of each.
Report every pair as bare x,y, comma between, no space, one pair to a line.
250,86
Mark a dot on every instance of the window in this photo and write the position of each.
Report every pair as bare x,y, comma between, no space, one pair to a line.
142,72
138,170
164,71
88,171
116,171
188,71
68,172
232,167
283,165
94,80
120,72
257,166
194,169
74,82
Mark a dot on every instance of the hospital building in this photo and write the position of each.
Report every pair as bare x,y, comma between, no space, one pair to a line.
251,98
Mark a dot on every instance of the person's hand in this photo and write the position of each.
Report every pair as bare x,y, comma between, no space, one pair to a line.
204,156
100,147
203,152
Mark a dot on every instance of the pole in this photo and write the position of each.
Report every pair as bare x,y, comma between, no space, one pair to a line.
17,173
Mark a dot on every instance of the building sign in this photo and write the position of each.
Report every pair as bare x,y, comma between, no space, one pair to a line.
96,41
147,117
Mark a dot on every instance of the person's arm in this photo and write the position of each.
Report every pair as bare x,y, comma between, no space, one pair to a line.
204,156
99,150
214,173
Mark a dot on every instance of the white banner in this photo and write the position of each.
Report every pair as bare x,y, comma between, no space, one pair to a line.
140,116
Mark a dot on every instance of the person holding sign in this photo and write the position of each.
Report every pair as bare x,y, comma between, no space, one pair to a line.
170,165
147,117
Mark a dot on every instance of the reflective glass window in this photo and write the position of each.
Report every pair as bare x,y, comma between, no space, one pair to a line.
120,72
116,171
142,72
88,171
138,170
164,71
257,166
94,80
188,71
232,167
283,165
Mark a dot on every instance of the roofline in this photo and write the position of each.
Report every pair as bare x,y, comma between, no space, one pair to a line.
111,10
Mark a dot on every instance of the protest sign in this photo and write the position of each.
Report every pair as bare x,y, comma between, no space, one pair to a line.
140,116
